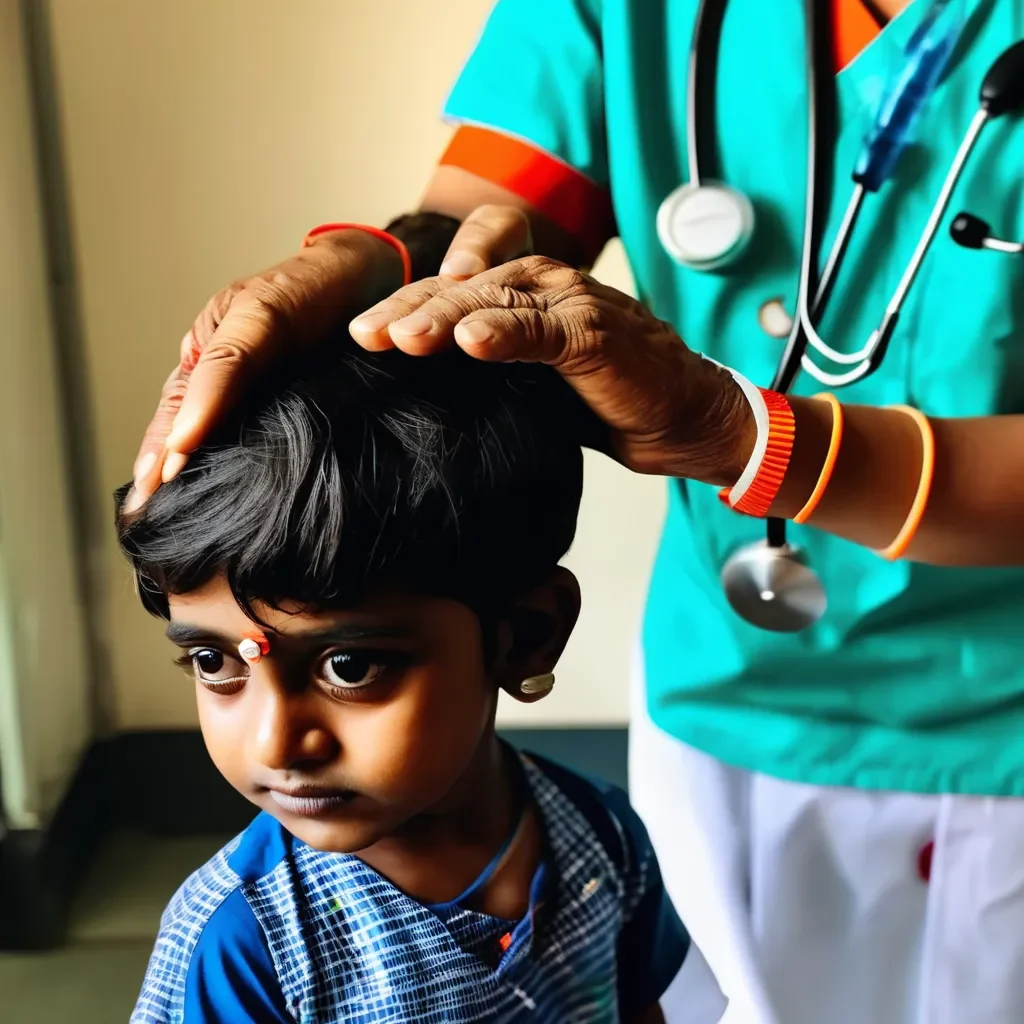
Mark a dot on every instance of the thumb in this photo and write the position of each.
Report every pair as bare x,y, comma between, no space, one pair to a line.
489,236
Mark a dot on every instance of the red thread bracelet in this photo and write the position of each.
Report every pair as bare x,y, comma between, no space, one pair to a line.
396,243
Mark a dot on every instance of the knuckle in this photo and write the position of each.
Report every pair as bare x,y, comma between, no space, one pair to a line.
586,328
227,350
538,266
555,283
175,389
423,291
504,296
262,311
173,393
572,281
216,309
554,277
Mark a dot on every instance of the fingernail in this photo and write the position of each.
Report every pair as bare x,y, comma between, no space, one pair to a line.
475,332
173,465
462,264
180,428
414,325
135,500
370,324
144,466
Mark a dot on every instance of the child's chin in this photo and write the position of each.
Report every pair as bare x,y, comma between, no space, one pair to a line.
333,836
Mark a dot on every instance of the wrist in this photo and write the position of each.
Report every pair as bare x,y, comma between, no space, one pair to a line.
377,265
725,430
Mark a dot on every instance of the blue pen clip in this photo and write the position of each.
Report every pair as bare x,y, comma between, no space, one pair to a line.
926,57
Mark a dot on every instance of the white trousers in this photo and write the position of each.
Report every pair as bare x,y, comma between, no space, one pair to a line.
810,904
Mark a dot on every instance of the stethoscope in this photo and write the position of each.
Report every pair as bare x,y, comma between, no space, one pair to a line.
707,225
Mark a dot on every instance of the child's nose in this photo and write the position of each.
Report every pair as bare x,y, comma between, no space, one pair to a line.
289,734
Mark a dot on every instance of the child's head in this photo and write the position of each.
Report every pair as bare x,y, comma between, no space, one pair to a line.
393,526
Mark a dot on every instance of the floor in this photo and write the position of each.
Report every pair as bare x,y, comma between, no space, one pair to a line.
96,977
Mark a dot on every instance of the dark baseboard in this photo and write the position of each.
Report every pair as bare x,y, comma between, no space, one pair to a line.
164,784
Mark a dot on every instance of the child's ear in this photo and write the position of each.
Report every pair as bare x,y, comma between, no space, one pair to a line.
533,633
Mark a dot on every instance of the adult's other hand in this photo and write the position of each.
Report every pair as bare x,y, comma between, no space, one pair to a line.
248,326
667,410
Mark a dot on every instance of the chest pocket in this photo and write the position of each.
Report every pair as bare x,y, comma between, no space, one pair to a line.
966,351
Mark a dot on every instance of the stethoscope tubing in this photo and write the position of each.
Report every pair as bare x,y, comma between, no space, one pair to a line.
869,357
796,601
819,124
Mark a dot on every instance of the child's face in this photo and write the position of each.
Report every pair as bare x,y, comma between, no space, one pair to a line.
355,722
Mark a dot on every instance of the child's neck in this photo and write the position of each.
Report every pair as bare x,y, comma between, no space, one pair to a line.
437,856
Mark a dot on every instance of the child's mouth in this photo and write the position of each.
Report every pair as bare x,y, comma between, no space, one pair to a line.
312,802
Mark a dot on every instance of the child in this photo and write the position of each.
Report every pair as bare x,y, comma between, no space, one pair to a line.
352,572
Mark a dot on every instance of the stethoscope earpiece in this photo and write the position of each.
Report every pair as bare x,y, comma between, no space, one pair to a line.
773,588
969,231
973,233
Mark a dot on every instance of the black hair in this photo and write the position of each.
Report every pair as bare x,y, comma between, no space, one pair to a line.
453,476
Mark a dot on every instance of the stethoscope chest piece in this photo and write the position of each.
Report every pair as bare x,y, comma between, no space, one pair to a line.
773,588
705,227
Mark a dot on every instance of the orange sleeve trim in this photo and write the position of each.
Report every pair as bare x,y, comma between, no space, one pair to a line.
855,28
554,189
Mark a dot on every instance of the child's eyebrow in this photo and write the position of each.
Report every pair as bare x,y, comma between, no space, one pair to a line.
351,633
183,634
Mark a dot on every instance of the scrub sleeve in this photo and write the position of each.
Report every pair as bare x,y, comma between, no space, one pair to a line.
529,104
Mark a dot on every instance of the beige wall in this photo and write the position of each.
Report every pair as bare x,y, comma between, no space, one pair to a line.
44,686
203,137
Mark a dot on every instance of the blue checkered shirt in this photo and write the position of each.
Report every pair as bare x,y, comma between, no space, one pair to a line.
272,930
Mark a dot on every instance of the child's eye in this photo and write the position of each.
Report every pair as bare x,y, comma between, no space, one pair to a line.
207,663
216,670
351,670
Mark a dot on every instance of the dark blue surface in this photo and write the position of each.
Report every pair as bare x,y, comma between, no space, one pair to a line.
599,753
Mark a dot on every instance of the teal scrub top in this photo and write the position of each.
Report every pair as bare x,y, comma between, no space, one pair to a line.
913,680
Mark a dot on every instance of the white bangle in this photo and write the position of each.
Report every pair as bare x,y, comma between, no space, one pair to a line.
760,410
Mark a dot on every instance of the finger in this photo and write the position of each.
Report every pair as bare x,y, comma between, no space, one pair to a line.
146,482
488,237
241,346
530,283
543,336
370,329
174,463
524,335
152,441
201,333
150,462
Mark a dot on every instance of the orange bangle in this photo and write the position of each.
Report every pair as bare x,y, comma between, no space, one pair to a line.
396,243
781,432
830,459
903,539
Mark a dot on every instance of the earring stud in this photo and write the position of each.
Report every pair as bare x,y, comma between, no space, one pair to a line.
537,684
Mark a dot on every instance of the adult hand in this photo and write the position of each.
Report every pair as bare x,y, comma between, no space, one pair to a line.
668,411
248,326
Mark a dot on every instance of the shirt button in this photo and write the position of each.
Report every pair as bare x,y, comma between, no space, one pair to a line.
775,321
924,861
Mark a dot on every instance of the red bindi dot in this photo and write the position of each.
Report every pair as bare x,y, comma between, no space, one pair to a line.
924,861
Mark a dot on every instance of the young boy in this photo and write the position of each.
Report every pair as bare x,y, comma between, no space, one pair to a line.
352,572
